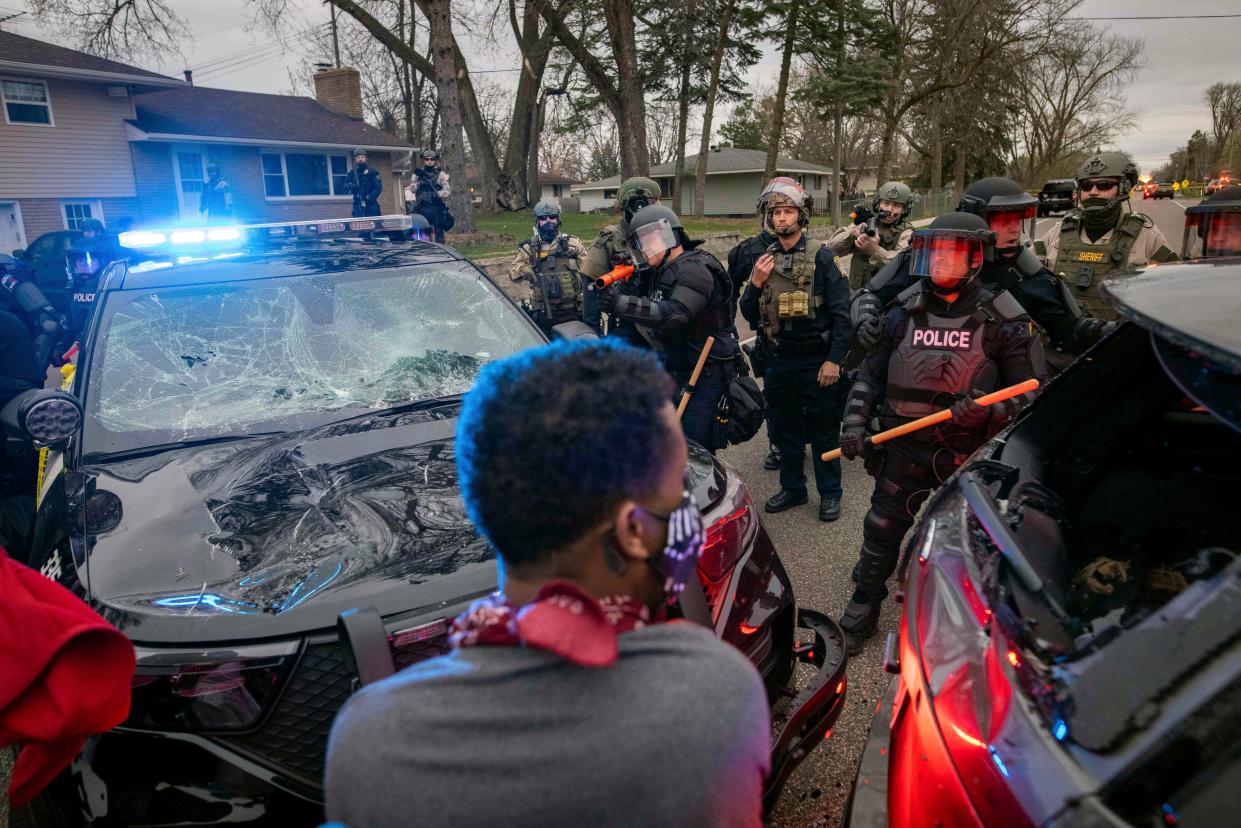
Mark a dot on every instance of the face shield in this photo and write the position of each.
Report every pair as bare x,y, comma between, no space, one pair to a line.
1011,226
650,243
83,264
1211,234
947,259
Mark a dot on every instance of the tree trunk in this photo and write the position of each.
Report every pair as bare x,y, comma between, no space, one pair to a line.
635,158
407,86
777,111
534,189
958,167
885,149
439,15
937,151
713,88
838,165
682,123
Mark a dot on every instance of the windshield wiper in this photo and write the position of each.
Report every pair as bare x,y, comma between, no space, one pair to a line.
401,408
159,448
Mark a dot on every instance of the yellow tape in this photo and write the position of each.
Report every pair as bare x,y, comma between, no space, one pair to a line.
67,373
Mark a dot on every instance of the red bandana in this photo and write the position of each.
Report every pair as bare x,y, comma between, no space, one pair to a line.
562,619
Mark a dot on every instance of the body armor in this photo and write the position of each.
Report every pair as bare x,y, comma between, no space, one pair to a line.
788,299
1083,267
715,319
861,267
557,284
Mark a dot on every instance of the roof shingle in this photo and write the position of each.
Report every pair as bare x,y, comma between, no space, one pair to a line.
15,48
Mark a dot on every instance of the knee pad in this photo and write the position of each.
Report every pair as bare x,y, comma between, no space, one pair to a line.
883,528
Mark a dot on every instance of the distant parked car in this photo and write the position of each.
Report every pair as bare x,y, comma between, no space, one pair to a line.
1161,190
1057,195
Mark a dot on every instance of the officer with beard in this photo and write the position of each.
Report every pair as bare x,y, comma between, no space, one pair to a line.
609,250
892,230
550,263
799,299
1101,238
741,261
943,345
1012,267
1213,226
690,300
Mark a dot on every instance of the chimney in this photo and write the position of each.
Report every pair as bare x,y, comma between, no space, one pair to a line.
340,90
189,76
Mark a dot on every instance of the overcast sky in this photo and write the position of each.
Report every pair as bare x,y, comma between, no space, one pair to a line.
1183,56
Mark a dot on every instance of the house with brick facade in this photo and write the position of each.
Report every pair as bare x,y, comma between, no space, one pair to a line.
83,137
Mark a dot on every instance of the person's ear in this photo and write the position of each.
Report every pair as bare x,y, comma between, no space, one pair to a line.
631,531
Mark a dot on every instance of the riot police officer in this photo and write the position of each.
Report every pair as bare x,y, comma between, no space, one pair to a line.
1100,238
609,249
741,260
84,262
551,263
800,300
366,185
1011,266
940,347
23,297
1213,226
428,194
872,248
691,300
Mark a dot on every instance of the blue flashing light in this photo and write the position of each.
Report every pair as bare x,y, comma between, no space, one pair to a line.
223,234
999,763
1060,730
142,238
188,237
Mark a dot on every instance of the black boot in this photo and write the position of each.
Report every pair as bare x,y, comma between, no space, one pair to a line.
785,499
772,463
860,621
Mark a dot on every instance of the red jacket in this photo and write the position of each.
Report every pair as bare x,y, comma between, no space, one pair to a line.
65,674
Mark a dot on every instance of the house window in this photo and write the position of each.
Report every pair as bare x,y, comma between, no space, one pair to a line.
557,189
609,194
26,102
76,212
305,175
818,182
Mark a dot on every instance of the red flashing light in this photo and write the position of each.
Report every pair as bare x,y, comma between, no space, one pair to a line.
1014,658
840,687
746,629
724,542
827,735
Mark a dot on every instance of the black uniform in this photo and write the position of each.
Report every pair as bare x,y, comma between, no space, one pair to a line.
930,355
366,186
21,296
741,259
691,300
799,409
1035,288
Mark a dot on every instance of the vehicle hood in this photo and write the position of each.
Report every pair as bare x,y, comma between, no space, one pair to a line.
272,535
278,535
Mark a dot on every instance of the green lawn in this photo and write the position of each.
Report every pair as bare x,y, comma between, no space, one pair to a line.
499,233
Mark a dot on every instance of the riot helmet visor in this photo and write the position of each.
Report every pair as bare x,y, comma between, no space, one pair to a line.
650,243
1211,234
1008,226
83,264
948,260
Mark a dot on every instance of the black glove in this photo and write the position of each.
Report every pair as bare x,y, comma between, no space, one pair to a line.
605,299
969,414
853,443
868,332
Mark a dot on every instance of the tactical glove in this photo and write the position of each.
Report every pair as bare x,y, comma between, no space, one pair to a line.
868,332
969,414
605,299
853,443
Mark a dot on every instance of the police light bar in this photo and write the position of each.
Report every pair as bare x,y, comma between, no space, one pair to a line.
183,237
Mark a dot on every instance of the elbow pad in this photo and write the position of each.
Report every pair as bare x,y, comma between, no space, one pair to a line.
861,403
639,309
865,305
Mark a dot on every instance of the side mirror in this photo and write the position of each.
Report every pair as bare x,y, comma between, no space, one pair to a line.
43,416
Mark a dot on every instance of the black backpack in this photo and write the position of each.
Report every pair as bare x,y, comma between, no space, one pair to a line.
741,411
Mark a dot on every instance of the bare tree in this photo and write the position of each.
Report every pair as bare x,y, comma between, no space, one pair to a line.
1225,102
792,17
728,10
118,29
443,53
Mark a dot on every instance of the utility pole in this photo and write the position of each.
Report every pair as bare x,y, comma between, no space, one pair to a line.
335,40
838,134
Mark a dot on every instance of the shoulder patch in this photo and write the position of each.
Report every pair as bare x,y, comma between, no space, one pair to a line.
839,267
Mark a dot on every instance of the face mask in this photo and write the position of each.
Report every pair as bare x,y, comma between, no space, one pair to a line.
679,560
1097,214
548,231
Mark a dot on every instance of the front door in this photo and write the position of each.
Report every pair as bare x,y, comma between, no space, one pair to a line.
12,235
189,162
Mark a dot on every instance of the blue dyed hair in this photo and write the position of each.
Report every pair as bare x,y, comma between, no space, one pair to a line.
554,438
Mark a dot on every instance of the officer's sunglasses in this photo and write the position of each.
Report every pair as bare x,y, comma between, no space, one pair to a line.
546,219
1104,186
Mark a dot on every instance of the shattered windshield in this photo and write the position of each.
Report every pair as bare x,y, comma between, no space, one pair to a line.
187,363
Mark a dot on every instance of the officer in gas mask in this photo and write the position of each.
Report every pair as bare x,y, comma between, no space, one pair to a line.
945,344
1213,226
550,262
690,300
609,249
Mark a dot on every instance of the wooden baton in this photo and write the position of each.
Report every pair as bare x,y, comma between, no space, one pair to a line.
693,378
939,417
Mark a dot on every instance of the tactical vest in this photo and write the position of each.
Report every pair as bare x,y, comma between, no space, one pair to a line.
557,284
941,359
716,317
1083,266
788,301
861,266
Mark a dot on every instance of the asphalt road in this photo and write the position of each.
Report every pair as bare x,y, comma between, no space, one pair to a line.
820,558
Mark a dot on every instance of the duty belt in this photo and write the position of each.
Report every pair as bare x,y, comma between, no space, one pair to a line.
799,346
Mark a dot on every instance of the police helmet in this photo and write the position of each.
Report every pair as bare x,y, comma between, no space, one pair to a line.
653,231
1213,226
430,153
544,210
420,228
785,192
358,151
92,225
636,193
1110,164
997,198
895,191
760,206
949,253
82,261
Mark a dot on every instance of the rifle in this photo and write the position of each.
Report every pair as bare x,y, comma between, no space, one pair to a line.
863,215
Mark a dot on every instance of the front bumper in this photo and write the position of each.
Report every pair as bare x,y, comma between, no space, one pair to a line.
802,723
868,804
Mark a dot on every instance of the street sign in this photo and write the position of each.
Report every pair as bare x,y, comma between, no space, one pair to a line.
1185,183
1176,186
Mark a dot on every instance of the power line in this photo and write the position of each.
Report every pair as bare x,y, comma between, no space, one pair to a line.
1162,17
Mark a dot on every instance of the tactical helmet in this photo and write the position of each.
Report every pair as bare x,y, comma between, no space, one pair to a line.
636,193
1110,164
760,206
543,210
429,153
91,224
420,228
1000,200
83,259
653,231
949,253
894,191
785,192
356,152
1213,226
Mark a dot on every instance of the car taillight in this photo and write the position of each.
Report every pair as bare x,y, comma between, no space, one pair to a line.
201,693
724,542
968,691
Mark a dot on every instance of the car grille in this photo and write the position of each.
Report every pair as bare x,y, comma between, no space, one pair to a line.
293,739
